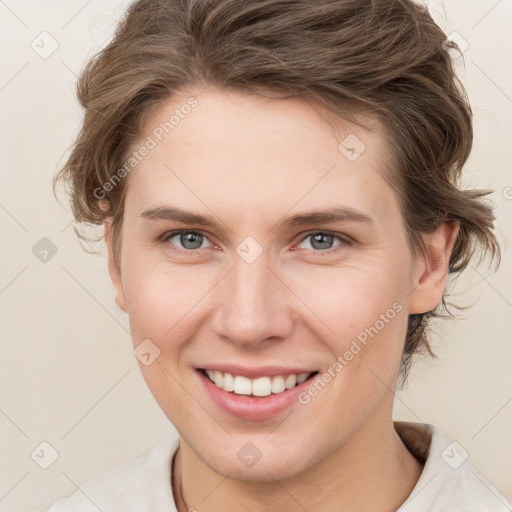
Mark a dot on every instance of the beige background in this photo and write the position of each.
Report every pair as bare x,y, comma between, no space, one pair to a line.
68,376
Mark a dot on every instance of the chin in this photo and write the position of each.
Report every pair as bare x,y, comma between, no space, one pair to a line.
247,464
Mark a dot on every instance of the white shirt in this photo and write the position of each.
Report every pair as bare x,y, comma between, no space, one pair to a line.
448,483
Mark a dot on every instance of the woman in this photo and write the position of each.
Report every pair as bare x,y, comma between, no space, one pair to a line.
278,182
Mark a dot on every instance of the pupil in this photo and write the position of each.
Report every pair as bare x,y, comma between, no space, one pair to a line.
192,238
321,238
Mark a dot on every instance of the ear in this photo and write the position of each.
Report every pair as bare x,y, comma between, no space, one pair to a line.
431,271
113,268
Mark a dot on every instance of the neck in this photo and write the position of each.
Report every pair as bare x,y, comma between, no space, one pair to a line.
372,471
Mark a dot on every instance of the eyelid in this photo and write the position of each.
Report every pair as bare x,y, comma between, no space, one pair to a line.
169,234
341,236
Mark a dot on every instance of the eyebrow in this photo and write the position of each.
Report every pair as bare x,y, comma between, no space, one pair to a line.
327,216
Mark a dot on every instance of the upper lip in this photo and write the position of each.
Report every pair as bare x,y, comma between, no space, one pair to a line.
255,372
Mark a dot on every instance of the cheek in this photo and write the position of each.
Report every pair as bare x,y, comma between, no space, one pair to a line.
360,316
367,321
350,300
161,307
159,297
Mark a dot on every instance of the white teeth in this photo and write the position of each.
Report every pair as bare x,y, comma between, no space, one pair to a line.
218,378
229,382
290,381
262,386
242,385
278,384
302,377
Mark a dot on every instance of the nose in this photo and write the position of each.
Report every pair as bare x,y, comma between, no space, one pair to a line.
255,306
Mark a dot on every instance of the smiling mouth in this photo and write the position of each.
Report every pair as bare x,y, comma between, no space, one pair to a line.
260,387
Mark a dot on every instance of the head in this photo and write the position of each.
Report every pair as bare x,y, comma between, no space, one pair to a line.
250,116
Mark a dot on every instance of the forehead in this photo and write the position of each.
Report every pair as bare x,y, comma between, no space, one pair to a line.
227,148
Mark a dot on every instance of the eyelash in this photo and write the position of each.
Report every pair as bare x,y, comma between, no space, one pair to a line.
344,239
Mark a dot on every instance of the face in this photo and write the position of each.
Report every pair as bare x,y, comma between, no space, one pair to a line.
231,263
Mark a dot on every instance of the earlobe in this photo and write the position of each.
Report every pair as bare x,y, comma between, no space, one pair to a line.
113,268
431,270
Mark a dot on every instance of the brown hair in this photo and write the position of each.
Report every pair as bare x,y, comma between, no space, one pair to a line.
386,58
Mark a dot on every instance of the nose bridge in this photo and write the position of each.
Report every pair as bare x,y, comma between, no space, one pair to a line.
253,308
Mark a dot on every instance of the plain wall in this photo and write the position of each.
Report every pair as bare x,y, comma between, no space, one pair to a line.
68,375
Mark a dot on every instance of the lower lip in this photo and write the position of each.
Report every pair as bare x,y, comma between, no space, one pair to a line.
251,407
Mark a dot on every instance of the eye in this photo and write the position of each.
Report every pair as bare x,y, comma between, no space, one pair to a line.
187,240
321,241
